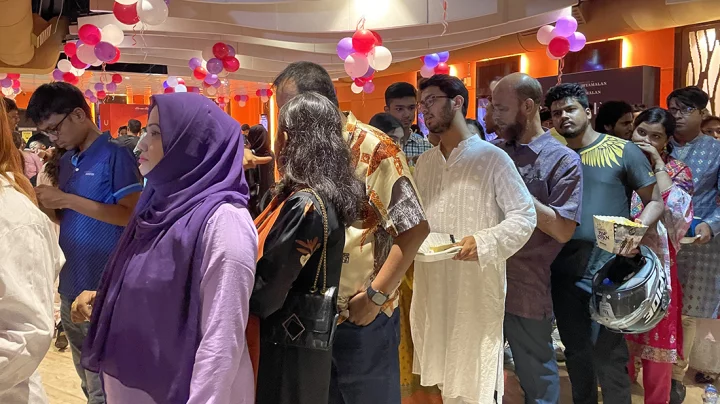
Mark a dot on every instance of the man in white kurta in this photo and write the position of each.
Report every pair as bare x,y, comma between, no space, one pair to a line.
472,190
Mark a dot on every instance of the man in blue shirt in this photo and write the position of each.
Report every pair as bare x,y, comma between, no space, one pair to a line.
99,185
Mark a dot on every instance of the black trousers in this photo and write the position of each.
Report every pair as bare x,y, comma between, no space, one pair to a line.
593,352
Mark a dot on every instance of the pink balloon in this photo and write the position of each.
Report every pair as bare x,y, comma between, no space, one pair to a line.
89,34
57,75
99,86
111,87
577,41
565,26
369,87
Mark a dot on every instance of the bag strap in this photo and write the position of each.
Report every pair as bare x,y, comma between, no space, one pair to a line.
322,265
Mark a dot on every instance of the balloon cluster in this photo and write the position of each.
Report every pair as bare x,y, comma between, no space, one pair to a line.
10,83
108,84
562,38
175,85
435,63
241,99
222,101
219,61
149,12
264,94
363,55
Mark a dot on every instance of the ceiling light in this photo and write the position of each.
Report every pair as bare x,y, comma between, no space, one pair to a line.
127,77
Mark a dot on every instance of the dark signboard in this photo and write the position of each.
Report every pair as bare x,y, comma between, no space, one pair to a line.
634,85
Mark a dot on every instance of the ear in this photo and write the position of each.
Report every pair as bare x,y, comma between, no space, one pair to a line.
589,114
529,106
80,114
458,103
387,109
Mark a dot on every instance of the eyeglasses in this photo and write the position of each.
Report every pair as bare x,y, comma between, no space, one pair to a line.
430,101
683,110
54,131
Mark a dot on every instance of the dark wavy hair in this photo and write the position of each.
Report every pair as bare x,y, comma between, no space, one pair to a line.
610,113
52,167
567,90
316,156
661,116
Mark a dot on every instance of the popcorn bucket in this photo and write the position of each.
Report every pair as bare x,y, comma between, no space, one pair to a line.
618,235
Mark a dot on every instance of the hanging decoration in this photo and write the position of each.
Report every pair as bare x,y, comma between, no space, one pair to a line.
107,84
10,83
175,85
264,93
217,62
95,47
562,38
435,63
363,55
241,99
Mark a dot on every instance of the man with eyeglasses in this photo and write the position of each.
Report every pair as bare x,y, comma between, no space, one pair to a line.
698,263
98,187
473,194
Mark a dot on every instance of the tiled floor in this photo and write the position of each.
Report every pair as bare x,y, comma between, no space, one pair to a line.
63,386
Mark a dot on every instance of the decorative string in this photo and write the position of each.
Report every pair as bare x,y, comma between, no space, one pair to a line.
561,65
361,24
134,35
444,20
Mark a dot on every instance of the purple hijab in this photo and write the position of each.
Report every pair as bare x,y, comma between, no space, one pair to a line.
146,320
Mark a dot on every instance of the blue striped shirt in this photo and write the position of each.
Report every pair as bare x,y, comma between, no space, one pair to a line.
106,172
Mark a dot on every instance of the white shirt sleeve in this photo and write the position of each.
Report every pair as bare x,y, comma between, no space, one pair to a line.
30,260
500,242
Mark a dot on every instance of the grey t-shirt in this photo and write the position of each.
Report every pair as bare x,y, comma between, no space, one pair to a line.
612,169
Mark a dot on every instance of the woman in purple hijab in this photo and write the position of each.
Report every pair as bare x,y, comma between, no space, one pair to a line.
168,323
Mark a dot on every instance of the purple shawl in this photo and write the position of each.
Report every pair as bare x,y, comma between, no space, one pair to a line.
146,320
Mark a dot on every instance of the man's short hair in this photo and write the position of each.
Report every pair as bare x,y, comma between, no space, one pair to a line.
40,138
567,90
245,127
691,96
399,90
134,126
709,119
307,77
10,104
385,122
450,86
611,112
120,129
55,98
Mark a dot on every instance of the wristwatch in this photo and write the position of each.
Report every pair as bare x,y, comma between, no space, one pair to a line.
377,297
659,170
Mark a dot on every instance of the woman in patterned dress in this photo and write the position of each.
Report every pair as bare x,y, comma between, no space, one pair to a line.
659,348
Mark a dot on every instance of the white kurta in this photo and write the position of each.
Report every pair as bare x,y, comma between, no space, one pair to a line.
458,307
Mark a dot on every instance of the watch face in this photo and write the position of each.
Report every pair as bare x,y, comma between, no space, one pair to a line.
379,299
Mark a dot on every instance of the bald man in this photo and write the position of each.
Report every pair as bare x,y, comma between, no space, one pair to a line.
553,175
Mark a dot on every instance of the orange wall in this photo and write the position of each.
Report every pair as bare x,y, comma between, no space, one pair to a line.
113,116
655,48
249,114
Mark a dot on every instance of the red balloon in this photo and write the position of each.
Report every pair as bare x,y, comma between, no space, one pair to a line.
126,13
237,98
101,94
363,41
220,50
117,56
231,64
69,77
13,76
77,63
90,34
70,48
559,46
378,38
221,99
200,73
257,93
269,93
206,85
169,90
116,78
442,68
16,84
360,81
180,81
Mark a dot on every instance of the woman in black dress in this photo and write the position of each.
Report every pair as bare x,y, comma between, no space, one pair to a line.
261,178
304,225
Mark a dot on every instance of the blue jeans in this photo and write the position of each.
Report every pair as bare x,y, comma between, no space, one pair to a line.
76,333
366,363
535,366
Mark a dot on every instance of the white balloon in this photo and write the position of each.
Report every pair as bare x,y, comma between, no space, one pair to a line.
97,63
79,72
180,88
8,92
172,81
211,91
355,88
380,58
105,78
64,66
264,98
427,72
356,65
86,54
152,12
126,2
545,34
113,34
241,103
207,54
3,76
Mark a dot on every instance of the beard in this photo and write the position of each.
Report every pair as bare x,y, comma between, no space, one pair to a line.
441,122
575,132
514,131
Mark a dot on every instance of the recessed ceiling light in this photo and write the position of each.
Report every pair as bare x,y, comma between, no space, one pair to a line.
127,77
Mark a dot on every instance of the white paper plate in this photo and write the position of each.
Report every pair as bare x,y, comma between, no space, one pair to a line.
688,240
450,253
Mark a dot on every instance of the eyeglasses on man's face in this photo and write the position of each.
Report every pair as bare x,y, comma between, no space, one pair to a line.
56,129
428,102
684,110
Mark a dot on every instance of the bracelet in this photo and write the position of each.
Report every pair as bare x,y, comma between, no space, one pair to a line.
659,170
